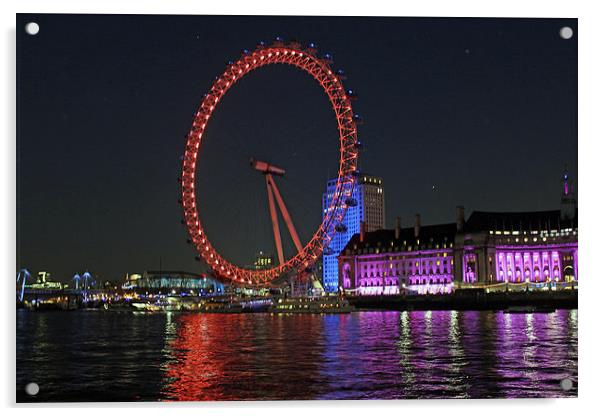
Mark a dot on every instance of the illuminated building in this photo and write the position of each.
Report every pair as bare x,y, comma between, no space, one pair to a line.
384,262
173,281
538,250
43,282
263,261
369,208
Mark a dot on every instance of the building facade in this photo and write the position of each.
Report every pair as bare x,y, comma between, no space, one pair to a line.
166,282
263,261
490,249
43,282
388,262
531,247
369,209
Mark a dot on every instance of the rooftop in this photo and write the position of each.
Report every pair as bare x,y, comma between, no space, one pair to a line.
515,221
438,233
479,221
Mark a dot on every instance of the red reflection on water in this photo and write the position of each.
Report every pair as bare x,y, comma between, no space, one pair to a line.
195,364
244,357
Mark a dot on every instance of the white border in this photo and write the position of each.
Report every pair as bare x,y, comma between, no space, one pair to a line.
590,151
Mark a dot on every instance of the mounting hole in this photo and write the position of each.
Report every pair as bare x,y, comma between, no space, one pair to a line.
32,28
32,389
566,32
566,384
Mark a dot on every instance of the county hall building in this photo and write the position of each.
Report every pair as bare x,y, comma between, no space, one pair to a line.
489,249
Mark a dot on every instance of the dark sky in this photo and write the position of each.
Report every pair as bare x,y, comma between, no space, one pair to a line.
483,110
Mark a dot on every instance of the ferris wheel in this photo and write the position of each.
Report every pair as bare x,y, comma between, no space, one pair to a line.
331,81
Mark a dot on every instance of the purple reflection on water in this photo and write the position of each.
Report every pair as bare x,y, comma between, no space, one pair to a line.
535,351
442,354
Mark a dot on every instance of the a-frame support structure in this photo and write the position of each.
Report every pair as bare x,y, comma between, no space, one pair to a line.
274,194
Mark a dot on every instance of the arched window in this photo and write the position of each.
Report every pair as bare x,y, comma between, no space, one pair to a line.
569,273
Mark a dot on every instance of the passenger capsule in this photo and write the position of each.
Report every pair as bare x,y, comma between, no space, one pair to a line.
351,202
340,227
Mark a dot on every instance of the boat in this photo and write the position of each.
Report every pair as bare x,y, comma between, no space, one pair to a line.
221,306
118,306
321,304
145,306
529,309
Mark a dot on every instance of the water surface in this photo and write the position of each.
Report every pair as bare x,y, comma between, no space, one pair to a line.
91,355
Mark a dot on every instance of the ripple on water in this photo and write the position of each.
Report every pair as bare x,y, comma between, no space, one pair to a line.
106,356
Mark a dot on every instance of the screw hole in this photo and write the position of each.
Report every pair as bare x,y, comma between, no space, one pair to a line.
566,384
32,389
32,28
566,32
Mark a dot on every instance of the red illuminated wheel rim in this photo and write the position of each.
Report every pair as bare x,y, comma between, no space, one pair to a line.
320,69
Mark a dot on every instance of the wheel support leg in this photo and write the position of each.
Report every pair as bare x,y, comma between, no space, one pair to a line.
269,181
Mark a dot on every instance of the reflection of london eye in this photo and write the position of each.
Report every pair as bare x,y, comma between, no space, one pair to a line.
340,99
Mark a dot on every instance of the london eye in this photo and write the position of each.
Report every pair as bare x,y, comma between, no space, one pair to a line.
305,58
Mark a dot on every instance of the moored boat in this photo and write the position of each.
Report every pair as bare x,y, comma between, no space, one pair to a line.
221,307
322,304
529,309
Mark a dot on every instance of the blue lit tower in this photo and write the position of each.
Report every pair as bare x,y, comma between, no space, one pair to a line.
370,209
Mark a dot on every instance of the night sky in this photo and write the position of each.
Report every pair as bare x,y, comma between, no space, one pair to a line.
478,112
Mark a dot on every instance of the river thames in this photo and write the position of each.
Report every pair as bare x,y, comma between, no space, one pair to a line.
93,355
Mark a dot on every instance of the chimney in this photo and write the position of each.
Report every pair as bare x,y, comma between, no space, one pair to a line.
362,231
397,228
417,226
460,217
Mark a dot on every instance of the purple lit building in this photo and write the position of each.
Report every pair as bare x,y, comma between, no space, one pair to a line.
490,249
